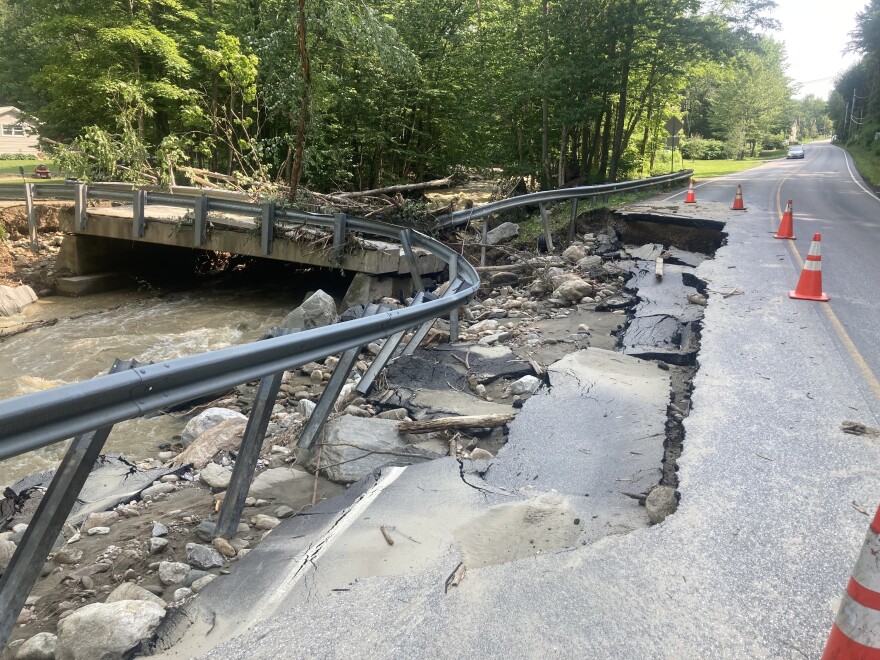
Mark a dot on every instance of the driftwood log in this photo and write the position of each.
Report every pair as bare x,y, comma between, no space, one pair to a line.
406,187
442,423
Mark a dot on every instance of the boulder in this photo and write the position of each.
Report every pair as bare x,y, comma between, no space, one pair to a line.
7,549
205,421
574,253
526,385
660,503
131,591
503,278
216,476
155,490
67,555
262,521
107,631
201,556
355,446
226,436
202,582
157,545
39,647
15,299
173,572
316,311
587,263
101,519
283,485
503,232
364,289
573,290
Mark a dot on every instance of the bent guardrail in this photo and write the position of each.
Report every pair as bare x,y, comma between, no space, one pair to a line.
89,409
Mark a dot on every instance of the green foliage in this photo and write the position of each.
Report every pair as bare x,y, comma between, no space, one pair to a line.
13,156
698,148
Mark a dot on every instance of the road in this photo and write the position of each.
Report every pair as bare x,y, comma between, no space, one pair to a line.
775,497
829,198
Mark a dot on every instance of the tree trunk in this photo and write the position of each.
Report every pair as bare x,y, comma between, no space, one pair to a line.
305,102
563,151
626,58
545,103
606,143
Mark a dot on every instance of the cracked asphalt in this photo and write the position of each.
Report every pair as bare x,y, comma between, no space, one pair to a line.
771,518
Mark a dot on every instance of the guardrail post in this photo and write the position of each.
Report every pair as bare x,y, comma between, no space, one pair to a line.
572,229
406,242
453,315
267,229
81,205
546,220
426,326
385,353
137,213
483,240
45,526
338,237
248,455
200,221
31,216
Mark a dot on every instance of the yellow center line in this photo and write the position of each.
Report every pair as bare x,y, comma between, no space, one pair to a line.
848,344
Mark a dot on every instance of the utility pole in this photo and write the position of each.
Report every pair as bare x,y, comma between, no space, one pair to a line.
845,119
852,113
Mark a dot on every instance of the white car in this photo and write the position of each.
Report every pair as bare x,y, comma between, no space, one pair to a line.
797,151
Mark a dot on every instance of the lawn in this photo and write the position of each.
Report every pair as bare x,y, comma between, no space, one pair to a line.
706,169
9,170
867,157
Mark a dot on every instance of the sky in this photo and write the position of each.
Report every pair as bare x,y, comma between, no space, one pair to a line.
815,33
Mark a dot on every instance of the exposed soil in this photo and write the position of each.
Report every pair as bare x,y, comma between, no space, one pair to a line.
19,264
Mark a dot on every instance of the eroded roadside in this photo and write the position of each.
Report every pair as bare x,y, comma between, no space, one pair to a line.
523,344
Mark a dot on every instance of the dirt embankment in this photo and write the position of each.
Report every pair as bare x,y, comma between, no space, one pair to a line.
18,263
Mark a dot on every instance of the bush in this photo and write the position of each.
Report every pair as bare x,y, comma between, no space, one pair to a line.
698,148
18,156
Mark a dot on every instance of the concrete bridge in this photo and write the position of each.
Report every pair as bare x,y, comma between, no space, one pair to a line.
102,241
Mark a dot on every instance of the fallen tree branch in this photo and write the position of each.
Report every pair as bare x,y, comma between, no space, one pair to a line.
25,327
406,187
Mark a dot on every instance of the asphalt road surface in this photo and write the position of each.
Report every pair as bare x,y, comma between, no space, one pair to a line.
829,198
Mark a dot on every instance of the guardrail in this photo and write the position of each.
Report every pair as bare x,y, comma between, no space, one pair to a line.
89,409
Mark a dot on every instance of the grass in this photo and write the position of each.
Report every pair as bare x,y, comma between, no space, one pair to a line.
866,154
9,171
706,169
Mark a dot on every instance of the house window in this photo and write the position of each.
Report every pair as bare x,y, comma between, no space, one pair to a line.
12,130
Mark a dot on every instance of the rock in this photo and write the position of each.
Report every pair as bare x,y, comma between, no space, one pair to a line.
355,446
526,385
283,485
316,311
155,490
660,503
194,575
15,299
239,544
99,531
201,556
173,572
223,547
205,531
479,454
504,278
39,647
182,593
697,299
205,421
306,408
589,262
7,549
102,519
490,325
157,545
574,253
503,232
20,528
106,631
131,591
573,290
67,555
399,414
202,582
24,617
88,571
262,521
216,476
225,436
159,530
284,512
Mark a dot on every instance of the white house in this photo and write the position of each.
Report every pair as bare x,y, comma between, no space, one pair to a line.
16,136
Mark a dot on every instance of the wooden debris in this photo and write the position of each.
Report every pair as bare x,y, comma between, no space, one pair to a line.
857,428
390,190
658,268
386,534
455,577
17,330
502,269
442,423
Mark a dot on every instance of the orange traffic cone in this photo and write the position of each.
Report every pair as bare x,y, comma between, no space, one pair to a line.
738,200
854,634
786,226
809,286
691,197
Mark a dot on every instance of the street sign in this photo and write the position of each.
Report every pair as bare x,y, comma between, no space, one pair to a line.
673,125
673,142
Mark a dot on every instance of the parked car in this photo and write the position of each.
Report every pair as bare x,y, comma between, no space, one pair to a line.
796,151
